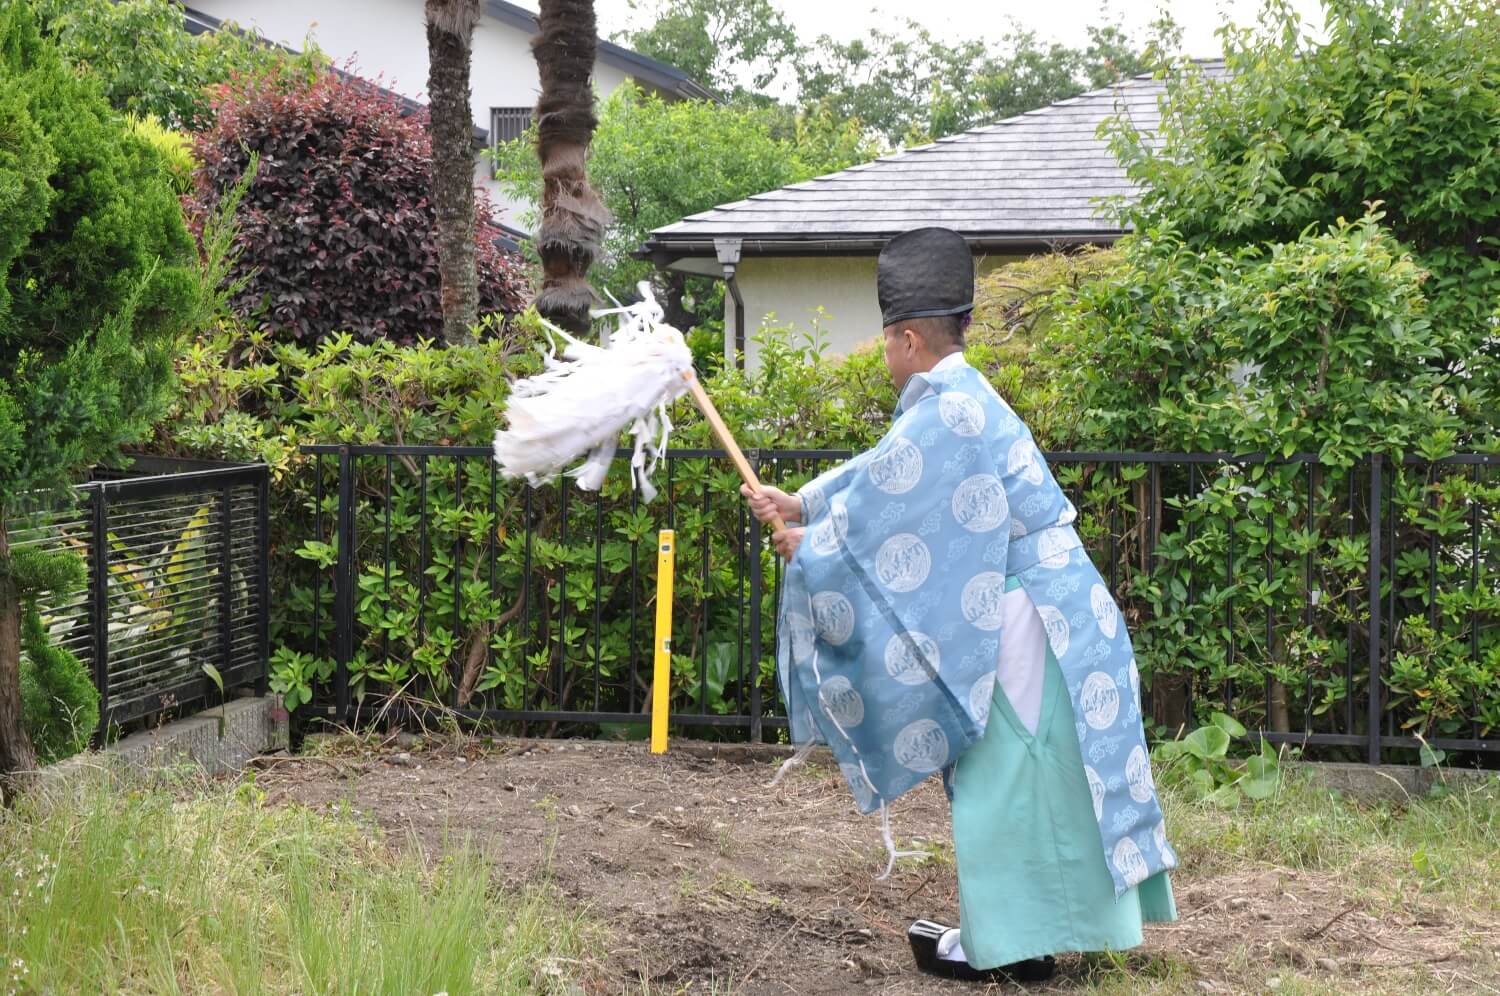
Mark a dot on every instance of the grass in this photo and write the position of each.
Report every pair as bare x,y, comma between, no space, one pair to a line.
1434,859
1446,846
117,886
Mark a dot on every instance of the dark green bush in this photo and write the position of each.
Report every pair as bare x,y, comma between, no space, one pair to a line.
98,279
59,703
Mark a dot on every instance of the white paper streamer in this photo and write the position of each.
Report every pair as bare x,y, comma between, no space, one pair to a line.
584,399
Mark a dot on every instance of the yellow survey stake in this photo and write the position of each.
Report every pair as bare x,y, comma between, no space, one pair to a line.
661,681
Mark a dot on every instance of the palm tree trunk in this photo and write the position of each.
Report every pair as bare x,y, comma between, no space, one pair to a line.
573,217
17,757
450,37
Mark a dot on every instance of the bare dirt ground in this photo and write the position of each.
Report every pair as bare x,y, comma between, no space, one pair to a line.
708,881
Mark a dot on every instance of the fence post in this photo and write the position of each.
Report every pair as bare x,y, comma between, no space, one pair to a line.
343,587
99,603
226,588
263,580
1375,655
757,583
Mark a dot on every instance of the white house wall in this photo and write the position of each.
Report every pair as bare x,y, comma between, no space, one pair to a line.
789,290
387,41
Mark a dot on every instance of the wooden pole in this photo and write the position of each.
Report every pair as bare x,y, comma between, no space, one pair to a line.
726,440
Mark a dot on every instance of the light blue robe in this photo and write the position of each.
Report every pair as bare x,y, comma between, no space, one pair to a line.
889,625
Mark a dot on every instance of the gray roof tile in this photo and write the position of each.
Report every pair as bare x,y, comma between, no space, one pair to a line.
1037,175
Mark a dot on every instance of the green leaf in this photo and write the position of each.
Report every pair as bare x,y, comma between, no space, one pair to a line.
1258,788
1202,781
1228,724
1259,767
1207,742
1226,796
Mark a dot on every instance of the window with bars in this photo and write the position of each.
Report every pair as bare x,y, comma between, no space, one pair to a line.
506,125
509,123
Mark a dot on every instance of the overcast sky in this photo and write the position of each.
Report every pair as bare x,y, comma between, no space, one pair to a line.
1060,20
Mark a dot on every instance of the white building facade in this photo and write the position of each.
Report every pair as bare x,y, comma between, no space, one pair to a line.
385,41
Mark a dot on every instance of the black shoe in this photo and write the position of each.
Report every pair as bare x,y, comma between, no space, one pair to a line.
924,936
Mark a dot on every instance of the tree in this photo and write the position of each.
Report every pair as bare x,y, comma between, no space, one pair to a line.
146,64
737,48
1399,106
655,161
573,216
1315,269
450,44
98,282
911,87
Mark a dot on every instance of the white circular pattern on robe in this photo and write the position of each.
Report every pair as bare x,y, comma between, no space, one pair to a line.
1100,700
1024,461
800,633
826,536
842,703
911,659
1159,837
833,617
983,600
1056,627
1105,611
1135,679
903,562
813,502
859,786
981,697
1138,774
1129,862
1096,789
1017,528
980,504
1052,549
921,747
961,413
899,469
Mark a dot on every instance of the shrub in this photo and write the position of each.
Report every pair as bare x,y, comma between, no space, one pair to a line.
1398,106
110,230
98,280
145,61
336,233
1322,345
59,703
250,397
1315,270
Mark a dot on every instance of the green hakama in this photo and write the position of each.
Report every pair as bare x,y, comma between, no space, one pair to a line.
1031,877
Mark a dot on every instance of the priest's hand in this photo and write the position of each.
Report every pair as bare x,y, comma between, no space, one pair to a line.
771,502
786,541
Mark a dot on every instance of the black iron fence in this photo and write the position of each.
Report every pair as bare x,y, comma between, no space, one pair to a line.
177,559
1354,611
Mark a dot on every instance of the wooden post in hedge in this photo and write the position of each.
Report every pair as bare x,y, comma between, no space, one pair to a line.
450,45
573,216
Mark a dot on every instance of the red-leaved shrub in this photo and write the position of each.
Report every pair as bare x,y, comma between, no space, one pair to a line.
337,231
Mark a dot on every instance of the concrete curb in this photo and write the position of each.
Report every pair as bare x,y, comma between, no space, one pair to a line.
1388,782
252,726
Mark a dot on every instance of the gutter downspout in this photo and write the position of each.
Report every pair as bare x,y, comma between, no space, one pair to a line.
728,251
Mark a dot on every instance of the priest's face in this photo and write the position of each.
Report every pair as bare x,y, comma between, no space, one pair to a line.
904,354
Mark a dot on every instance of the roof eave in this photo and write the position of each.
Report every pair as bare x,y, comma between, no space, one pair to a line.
195,22
665,251
642,67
